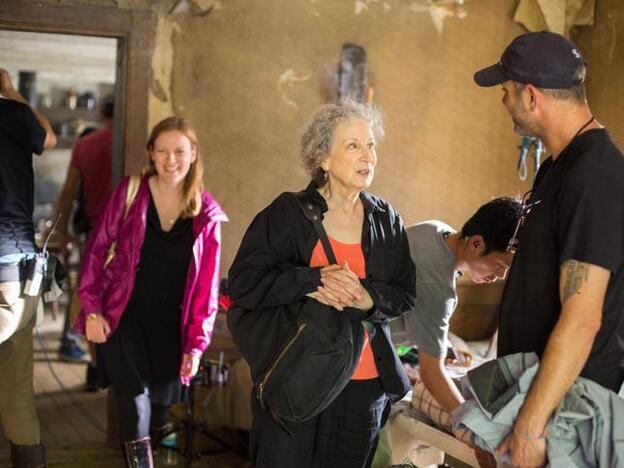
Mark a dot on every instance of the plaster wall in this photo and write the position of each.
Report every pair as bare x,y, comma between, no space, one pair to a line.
603,49
250,73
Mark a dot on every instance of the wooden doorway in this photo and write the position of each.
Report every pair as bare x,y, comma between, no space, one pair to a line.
134,31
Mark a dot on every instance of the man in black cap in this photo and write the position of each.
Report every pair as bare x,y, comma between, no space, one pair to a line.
564,297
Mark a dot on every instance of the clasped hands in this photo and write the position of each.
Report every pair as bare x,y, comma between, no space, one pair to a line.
341,288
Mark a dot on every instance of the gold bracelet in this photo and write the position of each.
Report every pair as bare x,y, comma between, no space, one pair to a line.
92,316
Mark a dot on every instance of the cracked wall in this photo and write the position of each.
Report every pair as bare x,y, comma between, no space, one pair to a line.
250,73
603,49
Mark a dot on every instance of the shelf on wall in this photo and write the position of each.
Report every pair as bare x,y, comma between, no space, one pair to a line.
63,113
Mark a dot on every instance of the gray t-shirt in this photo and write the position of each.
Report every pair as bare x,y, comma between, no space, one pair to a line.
436,297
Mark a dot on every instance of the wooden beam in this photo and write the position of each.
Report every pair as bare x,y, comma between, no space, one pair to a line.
134,30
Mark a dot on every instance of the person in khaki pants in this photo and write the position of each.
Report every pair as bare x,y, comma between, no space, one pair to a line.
23,131
17,401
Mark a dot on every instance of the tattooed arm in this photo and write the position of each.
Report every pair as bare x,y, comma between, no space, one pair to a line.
582,288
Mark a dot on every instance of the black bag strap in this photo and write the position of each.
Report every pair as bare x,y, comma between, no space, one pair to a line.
313,213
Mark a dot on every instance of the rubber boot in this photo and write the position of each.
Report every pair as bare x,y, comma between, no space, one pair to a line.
28,456
138,453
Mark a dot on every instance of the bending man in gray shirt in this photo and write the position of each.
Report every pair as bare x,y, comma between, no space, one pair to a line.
441,254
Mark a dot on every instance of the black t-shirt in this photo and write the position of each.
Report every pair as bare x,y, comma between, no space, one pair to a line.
21,135
580,216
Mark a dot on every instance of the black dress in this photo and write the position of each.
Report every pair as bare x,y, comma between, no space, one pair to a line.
145,351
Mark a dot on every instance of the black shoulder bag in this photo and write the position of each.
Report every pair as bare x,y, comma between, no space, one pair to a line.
319,348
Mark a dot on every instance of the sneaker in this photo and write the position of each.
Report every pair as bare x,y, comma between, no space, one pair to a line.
71,352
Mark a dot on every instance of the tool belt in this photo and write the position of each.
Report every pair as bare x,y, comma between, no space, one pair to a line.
25,272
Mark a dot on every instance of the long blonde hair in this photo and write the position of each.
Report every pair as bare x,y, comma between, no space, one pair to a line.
193,181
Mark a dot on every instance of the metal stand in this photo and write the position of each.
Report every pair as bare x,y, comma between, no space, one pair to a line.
192,427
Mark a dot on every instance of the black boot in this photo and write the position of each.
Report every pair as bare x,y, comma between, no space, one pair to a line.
28,456
93,384
138,453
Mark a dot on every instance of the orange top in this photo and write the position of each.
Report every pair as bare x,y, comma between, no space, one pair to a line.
352,253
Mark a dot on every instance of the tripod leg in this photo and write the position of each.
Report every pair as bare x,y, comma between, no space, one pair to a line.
190,425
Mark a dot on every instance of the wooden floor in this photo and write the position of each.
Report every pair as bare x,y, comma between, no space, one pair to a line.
73,421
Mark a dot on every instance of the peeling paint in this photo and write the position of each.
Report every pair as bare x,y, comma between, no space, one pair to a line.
158,91
438,14
181,7
204,4
207,6
419,8
194,7
360,7
612,25
286,81
160,97
439,11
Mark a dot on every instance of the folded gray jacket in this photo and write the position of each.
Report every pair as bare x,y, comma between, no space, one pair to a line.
586,429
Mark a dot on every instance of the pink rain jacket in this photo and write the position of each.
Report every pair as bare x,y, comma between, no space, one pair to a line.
108,290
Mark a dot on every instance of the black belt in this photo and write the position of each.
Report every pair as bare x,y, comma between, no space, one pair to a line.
10,272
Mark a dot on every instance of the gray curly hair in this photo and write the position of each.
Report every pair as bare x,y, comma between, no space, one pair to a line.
317,136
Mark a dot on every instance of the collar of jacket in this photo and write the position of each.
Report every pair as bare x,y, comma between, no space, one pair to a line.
369,202
209,211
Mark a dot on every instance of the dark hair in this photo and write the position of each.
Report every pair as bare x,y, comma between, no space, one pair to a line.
496,222
574,94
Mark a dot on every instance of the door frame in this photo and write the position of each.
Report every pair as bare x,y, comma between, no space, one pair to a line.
134,31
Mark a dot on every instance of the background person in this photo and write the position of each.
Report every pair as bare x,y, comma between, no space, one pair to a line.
23,131
152,308
441,255
89,175
281,261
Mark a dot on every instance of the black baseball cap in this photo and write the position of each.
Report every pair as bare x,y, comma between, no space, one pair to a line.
543,59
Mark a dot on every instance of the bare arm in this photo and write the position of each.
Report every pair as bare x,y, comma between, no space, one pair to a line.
8,91
582,288
437,382
65,200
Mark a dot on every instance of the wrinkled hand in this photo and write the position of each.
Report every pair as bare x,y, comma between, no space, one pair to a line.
524,452
188,368
342,288
97,329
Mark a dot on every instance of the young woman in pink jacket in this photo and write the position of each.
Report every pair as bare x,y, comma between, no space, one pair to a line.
151,308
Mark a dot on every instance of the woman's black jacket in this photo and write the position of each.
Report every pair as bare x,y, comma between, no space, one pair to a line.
272,268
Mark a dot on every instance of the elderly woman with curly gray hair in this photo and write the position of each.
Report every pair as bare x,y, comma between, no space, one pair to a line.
281,260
